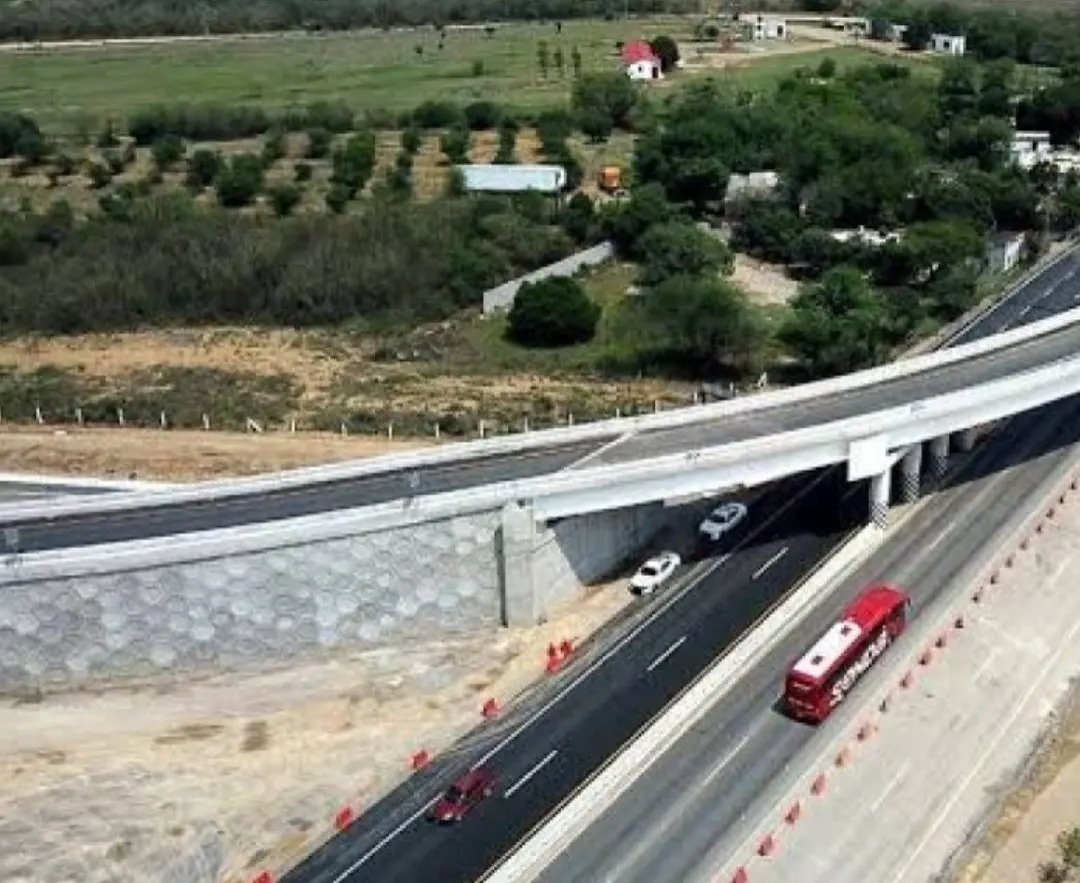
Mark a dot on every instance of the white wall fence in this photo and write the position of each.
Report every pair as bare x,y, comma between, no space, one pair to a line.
502,296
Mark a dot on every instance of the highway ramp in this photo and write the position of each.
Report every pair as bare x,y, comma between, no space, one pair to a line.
674,822
1055,289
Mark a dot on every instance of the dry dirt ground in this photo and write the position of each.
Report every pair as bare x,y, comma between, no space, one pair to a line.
114,787
150,454
1023,834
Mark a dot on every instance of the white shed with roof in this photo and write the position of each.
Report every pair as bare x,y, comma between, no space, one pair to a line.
513,178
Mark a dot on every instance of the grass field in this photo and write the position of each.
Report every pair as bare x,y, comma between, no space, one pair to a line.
366,69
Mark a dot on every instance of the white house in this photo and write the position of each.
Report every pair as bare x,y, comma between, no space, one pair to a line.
948,44
640,62
766,28
755,185
1028,149
1003,252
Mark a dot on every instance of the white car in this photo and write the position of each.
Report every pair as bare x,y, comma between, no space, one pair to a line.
655,572
722,520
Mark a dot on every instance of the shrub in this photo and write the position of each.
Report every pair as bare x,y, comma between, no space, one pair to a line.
239,180
202,168
411,139
318,143
483,115
551,313
284,198
99,174
337,198
167,151
302,172
437,115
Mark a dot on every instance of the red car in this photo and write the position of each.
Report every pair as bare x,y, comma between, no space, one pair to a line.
466,792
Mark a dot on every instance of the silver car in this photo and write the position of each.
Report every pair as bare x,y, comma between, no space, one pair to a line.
722,520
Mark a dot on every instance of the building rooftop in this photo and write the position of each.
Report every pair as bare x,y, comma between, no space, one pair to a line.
513,178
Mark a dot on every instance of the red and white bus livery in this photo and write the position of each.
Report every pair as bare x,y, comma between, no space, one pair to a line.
820,680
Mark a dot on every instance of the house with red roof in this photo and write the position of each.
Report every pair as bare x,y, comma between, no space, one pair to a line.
640,62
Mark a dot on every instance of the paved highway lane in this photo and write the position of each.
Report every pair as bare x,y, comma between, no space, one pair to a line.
668,825
556,753
1053,290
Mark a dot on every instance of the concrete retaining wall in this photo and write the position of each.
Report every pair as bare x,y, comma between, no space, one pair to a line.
502,297
219,611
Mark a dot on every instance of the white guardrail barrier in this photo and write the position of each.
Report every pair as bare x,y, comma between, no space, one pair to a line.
540,439
593,798
604,487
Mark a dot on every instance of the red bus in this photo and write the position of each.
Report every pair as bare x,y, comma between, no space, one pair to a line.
820,680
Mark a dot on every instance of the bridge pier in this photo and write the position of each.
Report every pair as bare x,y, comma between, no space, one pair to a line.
939,457
880,492
911,473
965,440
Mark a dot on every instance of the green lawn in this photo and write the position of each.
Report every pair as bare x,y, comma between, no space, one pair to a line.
69,88
765,72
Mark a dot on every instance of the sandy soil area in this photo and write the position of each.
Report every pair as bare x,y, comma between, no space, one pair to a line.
114,787
1023,836
178,455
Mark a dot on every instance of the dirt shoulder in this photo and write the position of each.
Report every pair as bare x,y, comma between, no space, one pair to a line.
178,455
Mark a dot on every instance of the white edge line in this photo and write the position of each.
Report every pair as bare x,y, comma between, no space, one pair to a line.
550,756
562,694
603,449
770,562
531,856
659,659
893,782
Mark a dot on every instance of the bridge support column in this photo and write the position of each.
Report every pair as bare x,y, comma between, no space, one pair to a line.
939,457
880,492
911,473
965,440
521,604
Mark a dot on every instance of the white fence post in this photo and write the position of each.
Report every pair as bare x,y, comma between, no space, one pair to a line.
164,422
390,431
569,418
206,422
292,425
344,429
436,432
120,416
78,416
526,429
37,414
481,429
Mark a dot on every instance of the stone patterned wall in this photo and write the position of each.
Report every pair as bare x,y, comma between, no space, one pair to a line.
271,605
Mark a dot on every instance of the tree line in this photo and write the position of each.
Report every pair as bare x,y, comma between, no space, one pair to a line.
74,19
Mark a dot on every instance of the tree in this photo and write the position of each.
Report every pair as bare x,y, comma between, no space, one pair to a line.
681,249
667,50
354,162
838,325
579,217
411,139
202,168
284,198
559,61
318,143
239,180
552,313
543,58
455,145
625,223
707,321
167,151
610,94
575,61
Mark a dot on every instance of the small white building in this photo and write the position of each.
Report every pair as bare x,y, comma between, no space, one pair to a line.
755,185
1003,252
948,44
481,178
640,62
866,236
1028,149
766,28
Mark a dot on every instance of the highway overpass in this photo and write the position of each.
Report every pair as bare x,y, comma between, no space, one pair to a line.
470,535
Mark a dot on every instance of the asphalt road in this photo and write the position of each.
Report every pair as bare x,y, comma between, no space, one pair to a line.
542,755
668,825
1054,290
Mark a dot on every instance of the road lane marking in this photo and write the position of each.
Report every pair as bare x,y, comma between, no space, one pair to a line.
603,449
525,779
1003,731
670,601
986,664
770,562
659,659
893,782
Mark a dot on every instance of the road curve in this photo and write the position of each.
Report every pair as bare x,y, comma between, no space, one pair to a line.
1056,289
674,823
